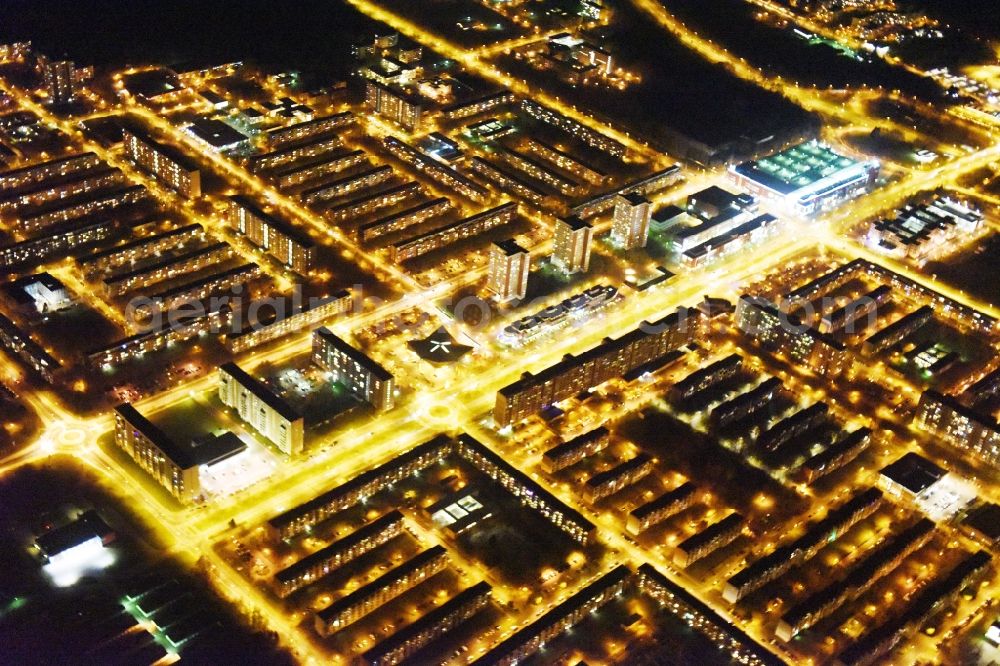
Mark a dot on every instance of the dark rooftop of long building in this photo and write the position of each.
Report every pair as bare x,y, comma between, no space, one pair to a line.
355,355
259,389
203,451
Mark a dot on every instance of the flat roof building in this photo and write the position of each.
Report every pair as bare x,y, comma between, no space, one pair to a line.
173,465
218,136
167,164
959,426
807,178
429,627
630,225
508,271
87,530
571,244
363,377
278,238
259,406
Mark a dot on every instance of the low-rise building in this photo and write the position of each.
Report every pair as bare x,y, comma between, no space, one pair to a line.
316,565
446,617
530,640
657,510
365,599
685,607
32,354
569,453
606,483
84,534
712,538
817,536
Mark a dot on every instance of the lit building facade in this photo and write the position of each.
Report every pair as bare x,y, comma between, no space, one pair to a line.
60,81
399,107
445,235
806,179
612,358
630,225
508,271
257,405
959,426
279,239
166,163
363,377
571,244
775,330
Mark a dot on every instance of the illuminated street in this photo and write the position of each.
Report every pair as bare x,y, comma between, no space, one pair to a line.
458,348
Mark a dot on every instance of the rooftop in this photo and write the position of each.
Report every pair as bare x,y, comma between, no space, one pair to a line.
86,526
510,247
913,472
797,167
205,450
215,133
357,356
259,389
985,519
